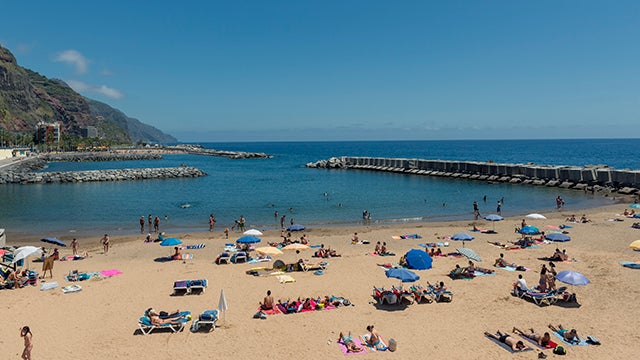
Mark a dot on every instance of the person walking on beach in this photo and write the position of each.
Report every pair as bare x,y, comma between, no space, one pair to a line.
282,221
105,243
499,208
141,224
476,210
25,333
226,233
156,224
74,246
212,221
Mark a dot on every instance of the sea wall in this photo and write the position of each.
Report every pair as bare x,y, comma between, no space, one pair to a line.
587,178
11,177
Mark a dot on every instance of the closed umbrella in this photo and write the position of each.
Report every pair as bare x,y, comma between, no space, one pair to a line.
403,274
635,245
222,304
54,241
253,232
557,237
24,252
470,254
572,278
418,260
529,230
536,216
269,250
248,240
295,246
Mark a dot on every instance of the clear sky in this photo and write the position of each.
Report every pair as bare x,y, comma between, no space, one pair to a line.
344,69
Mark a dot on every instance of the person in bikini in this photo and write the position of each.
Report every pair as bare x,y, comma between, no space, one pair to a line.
513,343
570,336
542,340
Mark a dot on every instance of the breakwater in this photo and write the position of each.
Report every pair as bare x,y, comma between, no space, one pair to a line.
11,177
199,150
587,178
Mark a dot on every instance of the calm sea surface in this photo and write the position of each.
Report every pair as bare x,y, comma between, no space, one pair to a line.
256,188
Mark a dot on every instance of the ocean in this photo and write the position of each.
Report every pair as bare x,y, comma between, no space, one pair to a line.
257,188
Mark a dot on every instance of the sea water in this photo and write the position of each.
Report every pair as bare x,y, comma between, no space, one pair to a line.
258,188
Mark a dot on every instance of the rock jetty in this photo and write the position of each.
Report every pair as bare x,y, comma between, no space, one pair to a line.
199,150
593,178
12,177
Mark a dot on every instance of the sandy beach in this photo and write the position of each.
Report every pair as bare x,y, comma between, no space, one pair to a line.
100,322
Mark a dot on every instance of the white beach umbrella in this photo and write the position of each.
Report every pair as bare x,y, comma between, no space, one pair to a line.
25,251
222,304
253,232
536,216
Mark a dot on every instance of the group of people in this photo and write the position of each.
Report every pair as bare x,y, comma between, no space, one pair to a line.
325,252
14,279
501,262
300,304
372,339
559,255
381,249
154,223
583,219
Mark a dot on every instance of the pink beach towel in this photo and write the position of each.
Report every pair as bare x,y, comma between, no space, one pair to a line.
356,341
273,311
109,273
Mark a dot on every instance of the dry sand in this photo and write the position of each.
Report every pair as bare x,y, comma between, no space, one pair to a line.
100,322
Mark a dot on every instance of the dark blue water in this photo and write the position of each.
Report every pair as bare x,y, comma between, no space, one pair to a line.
256,188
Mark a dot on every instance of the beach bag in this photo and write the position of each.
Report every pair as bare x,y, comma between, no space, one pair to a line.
560,350
393,345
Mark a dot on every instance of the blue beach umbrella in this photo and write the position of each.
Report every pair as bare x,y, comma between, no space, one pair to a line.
403,274
418,260
493,217
248,240
296,227
462,236
54,241
170,242
557,237
529,230
572,278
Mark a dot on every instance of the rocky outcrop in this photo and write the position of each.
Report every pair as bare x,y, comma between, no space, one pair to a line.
99,175
199,150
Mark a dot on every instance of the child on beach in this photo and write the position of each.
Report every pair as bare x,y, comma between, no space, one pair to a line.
25,333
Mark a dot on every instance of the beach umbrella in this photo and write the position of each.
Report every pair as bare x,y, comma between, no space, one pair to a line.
170,242
536,216
635,206
269,250
296,227
248,240
24,252
403,274
418,260
635,245
222,304
470,254
462,236
557,237
493,217
295,246
529,230
54,241
572,278
253,232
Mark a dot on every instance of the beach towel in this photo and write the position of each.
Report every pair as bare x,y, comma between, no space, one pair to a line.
110,273
582,342
48,285
511,268
273,311
199,246
356,341
379,346
507,347
551,344
479,273
71,289
285,279
630,264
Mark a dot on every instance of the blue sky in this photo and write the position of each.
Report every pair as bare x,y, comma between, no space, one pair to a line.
344,70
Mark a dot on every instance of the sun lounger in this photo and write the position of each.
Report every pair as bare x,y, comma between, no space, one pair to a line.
313,266
224,258
197,286
208,319
403,294
538,298
421,295
384,296
441,295
145,325
239,257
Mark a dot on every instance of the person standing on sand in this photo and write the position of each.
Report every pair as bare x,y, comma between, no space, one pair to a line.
282,221
476,210
105,243
156,224
141,224
25,333
212,221
226,233
74,246
499,208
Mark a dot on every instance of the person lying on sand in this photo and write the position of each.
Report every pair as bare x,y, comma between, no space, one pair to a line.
542,340
515,344
472,268
348,342
570,336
